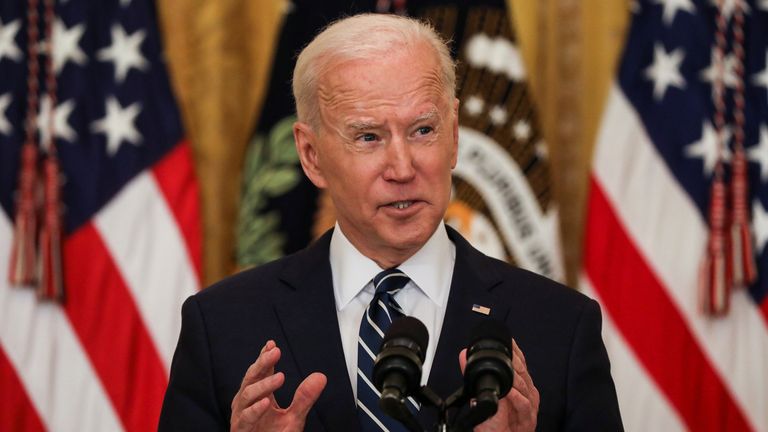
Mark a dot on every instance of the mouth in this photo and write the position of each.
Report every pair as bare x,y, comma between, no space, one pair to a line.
401,205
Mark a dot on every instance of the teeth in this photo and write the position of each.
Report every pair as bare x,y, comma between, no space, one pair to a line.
402,204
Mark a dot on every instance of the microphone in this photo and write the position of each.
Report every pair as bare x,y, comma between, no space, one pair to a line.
397,368
488,374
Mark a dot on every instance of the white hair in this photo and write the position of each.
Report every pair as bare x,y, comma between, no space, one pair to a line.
361,37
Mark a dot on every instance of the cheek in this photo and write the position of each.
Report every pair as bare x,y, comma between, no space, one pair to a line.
357,180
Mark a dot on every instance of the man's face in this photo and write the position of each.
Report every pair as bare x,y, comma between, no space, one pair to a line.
385,148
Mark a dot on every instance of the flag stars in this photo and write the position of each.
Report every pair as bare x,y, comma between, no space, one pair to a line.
707,147
665,71
61,128
759,154
759,225
5,125
66,46
118,125
125,52
8,48
474,105
729,71
761,78
498,115
672,6
521,130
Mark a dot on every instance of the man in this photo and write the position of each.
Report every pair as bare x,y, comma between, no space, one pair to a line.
285,346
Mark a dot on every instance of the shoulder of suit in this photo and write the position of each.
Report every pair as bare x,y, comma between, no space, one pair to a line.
523,282
256,279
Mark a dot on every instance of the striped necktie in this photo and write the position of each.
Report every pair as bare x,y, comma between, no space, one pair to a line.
379,314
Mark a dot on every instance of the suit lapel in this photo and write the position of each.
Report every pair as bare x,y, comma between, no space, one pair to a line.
308,317
307,314
471,284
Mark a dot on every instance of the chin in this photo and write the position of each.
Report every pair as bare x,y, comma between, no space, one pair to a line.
410,237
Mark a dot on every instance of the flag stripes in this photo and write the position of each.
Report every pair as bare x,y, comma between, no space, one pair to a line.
114,338
16,411
175,175
657,332
49,359
137,228
655,413
642,258
104,315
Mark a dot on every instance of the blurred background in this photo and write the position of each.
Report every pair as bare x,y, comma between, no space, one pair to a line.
569,48
620,147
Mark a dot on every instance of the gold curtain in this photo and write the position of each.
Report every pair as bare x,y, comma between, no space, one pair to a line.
219,56
571,48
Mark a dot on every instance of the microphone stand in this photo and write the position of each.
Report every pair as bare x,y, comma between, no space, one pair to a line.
479,410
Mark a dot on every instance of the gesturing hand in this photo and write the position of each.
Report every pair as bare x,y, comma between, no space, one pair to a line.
254,407
518,409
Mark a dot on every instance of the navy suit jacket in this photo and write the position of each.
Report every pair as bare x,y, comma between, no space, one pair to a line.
291,301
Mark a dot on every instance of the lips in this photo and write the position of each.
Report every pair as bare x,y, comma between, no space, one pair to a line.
401,205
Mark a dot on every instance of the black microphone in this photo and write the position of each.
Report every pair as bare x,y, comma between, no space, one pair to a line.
488,374
397,369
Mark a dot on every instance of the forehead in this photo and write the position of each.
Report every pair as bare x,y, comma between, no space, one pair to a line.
402,79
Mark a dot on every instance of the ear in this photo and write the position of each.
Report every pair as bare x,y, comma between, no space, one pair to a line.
455,149
306,147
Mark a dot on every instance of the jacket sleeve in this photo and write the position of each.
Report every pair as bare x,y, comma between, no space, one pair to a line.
190,400
591,403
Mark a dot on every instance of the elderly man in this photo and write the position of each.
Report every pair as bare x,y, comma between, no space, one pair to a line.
289,346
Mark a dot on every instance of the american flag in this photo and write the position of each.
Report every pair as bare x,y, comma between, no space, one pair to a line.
675,366
99,360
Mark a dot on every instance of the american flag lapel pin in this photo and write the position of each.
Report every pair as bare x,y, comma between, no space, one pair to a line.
481,309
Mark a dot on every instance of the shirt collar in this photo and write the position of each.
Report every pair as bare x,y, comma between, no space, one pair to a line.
430,268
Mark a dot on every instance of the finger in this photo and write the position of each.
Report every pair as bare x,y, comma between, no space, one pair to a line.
463,360
523,410
261,389
520,384
517,352
523,394
263,366
306,395
526,383
251,415
521,368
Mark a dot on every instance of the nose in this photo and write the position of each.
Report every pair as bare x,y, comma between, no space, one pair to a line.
400,162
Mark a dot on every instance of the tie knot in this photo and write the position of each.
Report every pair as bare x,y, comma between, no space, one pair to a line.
390,281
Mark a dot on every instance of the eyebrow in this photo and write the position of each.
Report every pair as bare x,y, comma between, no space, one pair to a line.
429,115
362,125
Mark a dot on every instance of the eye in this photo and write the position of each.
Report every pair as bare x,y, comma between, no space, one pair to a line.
424,130
367,137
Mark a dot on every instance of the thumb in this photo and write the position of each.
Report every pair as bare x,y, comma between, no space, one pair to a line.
306,394
463,360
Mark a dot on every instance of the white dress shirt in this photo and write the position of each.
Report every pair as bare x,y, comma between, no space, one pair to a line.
424,297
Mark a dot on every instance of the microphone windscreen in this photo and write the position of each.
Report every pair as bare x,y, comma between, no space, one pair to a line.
409,328
491,329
